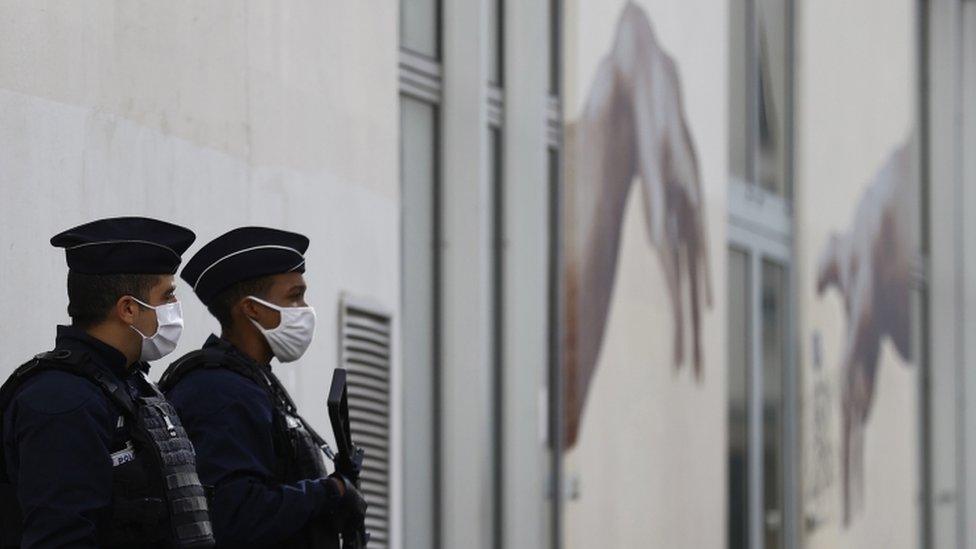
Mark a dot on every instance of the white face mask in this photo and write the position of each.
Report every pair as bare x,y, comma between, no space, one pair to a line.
169,327
291,338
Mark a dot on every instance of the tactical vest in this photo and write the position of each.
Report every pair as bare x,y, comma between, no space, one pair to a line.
297,447
298,453
157,499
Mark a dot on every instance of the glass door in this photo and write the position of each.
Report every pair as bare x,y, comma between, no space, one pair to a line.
760,381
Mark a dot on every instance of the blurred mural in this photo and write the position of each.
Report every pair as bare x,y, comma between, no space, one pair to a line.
632,131
645,170
858,248
870,266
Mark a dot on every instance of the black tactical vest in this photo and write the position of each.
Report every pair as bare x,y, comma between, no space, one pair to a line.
297,447
298,454
157,499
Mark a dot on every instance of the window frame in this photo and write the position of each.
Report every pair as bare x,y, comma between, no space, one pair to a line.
420,77
761,224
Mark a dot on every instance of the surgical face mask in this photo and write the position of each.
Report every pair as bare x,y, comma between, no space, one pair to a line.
169,327
291,338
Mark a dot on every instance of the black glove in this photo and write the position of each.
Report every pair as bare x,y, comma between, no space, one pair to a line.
351,506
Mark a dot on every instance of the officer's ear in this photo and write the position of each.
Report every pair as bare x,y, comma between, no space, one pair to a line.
126,309
249,308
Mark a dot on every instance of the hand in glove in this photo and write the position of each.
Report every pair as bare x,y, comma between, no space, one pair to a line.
351,506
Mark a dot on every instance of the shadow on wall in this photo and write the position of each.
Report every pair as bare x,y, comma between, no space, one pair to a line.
870,266
632,124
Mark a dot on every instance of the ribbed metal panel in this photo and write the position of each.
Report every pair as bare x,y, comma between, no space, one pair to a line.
364,351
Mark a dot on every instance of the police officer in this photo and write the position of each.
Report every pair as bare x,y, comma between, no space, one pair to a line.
264,460
93,455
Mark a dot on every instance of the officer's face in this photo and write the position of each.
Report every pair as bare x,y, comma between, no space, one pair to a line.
286,290
163,292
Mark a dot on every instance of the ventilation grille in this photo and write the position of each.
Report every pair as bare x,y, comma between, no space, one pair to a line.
364,351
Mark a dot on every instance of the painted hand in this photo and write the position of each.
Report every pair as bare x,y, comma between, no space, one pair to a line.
870,266
632,126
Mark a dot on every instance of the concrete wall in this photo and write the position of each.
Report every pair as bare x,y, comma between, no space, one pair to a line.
208,114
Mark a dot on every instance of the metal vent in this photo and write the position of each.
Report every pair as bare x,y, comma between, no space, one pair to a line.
364,351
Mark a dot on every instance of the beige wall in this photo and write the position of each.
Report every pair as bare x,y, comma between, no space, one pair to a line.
209,114
856,97
650,461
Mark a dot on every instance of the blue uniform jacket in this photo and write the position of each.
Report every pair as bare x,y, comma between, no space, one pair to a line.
229,420
59,431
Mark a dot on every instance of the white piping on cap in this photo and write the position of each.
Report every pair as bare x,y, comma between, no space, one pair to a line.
251,249
157,244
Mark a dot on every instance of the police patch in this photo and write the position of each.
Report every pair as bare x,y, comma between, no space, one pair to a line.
125,455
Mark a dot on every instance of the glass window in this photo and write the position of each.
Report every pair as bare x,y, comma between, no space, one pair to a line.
496,47
554,25
759,93
497,316
749,411
774,339
555,375
771,96
418,173
759,328
740,160
738,399
419,28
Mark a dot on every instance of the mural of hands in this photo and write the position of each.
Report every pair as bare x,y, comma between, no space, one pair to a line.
870,266
632,126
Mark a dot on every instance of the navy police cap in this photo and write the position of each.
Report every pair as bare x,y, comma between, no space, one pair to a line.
243,254
124,245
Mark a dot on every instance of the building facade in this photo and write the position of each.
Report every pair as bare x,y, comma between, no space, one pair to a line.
629,273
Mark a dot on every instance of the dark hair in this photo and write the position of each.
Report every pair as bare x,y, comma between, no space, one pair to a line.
220,306
91,297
